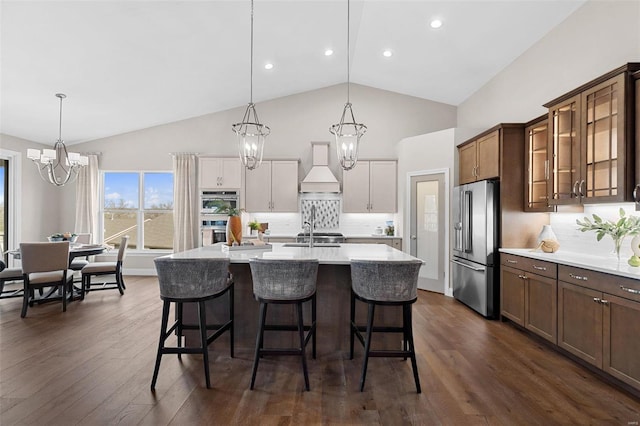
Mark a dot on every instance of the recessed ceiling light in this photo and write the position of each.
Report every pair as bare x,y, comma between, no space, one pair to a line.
387,53
436,23
328,52
268,66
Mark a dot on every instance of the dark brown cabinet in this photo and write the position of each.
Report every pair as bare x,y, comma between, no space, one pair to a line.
528,294
592,139
599,320
479,159
592,315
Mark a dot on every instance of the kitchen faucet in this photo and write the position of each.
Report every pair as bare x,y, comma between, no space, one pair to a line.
311,224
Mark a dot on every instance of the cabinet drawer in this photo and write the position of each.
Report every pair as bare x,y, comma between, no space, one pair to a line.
538,267
606,283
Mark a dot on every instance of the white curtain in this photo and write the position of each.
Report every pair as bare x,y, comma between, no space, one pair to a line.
185,202
88,199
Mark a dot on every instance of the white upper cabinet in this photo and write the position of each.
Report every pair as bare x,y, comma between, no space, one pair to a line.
220,173
272,187
370,187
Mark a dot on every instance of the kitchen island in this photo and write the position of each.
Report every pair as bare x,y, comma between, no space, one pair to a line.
333,295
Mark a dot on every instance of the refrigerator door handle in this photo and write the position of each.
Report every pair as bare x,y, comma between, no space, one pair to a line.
466,222
466,265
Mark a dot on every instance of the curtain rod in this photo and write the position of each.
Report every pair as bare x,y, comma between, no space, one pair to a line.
180,153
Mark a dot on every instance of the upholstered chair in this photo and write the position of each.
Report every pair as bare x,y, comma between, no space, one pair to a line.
94,269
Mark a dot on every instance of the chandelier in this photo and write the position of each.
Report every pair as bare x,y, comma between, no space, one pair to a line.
347,132
250,134
58,166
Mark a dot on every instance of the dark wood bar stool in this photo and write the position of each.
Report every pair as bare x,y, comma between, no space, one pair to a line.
192,281
391,283
277,281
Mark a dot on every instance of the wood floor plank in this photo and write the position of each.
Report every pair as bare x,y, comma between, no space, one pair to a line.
92,365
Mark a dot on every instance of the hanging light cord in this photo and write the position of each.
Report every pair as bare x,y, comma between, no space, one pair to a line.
251,67
348,52
60,124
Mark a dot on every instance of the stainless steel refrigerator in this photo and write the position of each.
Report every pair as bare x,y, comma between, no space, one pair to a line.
475,251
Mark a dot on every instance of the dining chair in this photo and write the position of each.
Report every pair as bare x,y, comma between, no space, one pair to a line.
9,275
94,269
77,264
45,265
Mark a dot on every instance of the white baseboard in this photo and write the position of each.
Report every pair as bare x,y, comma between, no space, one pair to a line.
139,271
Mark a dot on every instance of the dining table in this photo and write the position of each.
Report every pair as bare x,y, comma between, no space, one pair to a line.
75,250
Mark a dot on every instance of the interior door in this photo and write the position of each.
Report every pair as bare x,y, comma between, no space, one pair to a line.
427,237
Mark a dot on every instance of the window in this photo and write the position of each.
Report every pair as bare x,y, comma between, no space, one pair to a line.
138,204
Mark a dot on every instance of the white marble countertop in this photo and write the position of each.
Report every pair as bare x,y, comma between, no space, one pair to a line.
607,264
326,255
372,236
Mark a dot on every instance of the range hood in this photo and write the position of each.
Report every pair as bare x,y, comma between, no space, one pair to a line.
320,178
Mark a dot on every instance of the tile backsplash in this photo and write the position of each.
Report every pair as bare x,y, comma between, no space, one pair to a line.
329,217
573,240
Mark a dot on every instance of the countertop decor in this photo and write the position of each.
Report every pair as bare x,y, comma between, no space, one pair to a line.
625,225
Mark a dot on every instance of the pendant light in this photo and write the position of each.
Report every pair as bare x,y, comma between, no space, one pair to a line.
57,166
250,134
347,132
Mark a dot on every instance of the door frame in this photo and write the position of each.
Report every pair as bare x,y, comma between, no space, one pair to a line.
448,291
14,198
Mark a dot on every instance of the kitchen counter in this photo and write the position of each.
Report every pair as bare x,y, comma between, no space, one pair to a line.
333,295
326,255
607,264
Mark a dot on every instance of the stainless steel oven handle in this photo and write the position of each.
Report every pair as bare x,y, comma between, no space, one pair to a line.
474,268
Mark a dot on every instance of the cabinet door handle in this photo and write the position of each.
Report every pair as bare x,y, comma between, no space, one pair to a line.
540,268
524,277
630,290
580,188
546,169
604,301
578,277
635,193
575,188
512,261
597,299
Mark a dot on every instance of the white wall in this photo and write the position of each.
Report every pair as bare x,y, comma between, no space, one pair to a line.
295,121
423,153
597,38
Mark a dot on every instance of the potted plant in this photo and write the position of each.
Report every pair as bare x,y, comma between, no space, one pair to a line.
626,225
234,224
254,225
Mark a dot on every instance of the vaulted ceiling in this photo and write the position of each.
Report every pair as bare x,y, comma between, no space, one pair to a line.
127,65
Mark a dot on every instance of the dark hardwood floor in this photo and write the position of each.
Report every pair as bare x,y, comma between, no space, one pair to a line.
93,364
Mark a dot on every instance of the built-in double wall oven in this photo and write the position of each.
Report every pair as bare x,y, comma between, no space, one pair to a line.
213,215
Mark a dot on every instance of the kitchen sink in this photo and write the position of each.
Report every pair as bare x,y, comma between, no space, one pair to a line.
307,245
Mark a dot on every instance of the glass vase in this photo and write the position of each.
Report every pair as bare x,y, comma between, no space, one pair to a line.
617,244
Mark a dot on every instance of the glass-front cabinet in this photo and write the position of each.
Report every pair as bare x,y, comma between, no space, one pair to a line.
564,135
538,166
591,139
603,128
